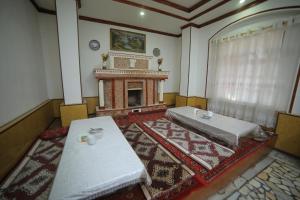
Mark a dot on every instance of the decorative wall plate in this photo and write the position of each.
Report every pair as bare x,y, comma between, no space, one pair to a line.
156,52
94,45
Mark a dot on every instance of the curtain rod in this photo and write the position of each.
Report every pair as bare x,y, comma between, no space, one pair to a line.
283,24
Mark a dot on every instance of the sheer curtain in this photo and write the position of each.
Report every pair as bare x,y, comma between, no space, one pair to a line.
251,78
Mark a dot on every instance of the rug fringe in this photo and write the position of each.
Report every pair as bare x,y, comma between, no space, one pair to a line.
146,193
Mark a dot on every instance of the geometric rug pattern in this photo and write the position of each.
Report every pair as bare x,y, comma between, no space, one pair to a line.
169,176
278,181
246,147
206,152
35,179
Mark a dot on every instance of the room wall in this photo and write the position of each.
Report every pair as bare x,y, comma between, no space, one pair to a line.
24,110
203,34
49,38
170,50
22,73
90,59
201,37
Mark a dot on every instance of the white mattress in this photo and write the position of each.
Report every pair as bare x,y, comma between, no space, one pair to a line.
89,171
222,127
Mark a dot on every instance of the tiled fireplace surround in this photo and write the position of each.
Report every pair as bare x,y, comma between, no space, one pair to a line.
124,75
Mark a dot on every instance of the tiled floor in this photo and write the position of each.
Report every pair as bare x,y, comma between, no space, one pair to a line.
275,177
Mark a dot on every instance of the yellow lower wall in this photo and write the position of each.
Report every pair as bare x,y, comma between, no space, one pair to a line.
92,102
72,112
198,102
288,130
181,101
16,138
170,98
55,106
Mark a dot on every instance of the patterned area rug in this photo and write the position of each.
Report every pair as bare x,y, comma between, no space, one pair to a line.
204,175
278,181
202,150
170,178
35,179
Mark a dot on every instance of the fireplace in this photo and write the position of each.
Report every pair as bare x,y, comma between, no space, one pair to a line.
123,89
134,97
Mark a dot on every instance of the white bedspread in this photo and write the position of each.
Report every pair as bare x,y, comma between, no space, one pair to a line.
89,171
222,127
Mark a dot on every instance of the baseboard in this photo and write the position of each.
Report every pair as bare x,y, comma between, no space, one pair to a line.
93,101
170,98
199,102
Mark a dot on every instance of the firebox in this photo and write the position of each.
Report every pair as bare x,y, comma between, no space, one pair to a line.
134,97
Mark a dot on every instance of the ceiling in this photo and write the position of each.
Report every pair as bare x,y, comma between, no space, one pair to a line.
167,16
187,3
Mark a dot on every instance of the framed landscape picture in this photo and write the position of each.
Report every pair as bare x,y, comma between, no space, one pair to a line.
127,41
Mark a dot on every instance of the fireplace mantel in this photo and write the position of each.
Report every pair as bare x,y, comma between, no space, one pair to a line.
129,84
105,74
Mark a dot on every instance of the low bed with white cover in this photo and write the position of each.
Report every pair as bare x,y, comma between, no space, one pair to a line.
89,171
227,129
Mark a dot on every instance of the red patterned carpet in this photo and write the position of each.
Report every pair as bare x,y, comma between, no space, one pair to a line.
35,179
174,174
204,176
171,179
169,176
204,151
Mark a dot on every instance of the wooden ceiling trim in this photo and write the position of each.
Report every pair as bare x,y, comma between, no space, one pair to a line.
188,25
42,10
35,4
173,5
209,9
128,2
182,8
236,11
253,14
138,5
233,12
197,5
78,3
102,21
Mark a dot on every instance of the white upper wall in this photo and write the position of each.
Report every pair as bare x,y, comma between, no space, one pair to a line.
89,59
170,50
48,31
22,74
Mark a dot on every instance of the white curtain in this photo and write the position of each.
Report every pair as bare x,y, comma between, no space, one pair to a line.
251,78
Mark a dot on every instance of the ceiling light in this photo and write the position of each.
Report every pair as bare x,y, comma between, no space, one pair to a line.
142,13
242,1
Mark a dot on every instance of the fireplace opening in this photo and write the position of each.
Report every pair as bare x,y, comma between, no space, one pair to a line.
134,97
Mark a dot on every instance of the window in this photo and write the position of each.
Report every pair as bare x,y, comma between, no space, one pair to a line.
251,77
